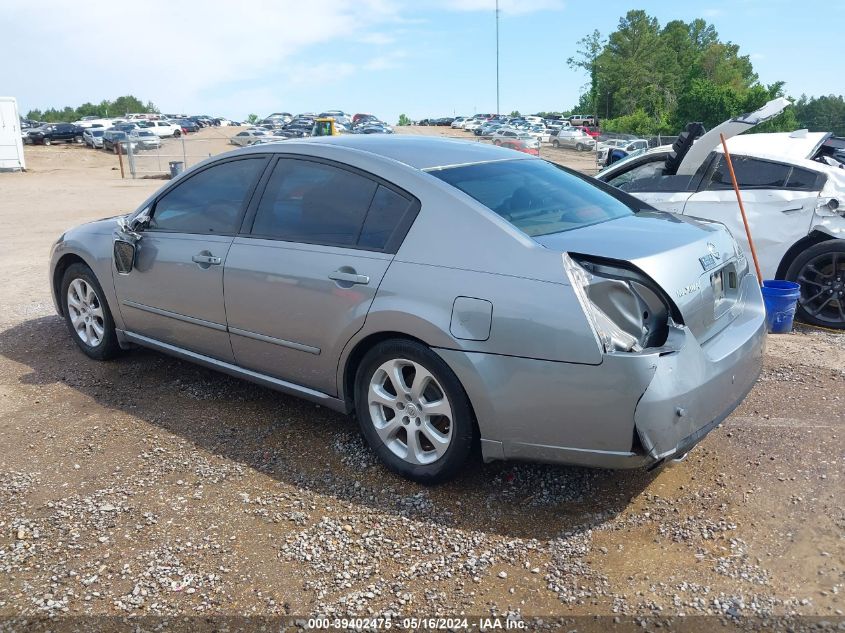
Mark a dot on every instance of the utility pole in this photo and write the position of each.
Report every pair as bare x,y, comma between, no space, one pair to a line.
497,57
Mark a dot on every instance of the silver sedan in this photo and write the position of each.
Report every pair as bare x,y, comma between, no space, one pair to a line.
450,294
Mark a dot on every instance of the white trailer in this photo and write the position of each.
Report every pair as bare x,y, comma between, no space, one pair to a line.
11,145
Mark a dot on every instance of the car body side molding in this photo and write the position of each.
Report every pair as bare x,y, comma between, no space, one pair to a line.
125,336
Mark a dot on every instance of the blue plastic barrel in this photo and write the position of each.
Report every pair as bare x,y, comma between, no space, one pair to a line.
780,298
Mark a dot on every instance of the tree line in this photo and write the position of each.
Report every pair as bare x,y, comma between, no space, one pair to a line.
118,107
644,78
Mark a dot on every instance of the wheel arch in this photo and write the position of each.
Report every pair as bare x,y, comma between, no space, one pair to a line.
64,262
349,365
816,236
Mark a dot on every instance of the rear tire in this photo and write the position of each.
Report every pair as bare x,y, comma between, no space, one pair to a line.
413,411
820,270
87,314
556,144
47,141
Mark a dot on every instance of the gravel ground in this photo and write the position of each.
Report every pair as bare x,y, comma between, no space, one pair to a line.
148,486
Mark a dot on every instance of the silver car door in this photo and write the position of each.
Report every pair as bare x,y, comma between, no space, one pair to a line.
779,200
174,293
300,282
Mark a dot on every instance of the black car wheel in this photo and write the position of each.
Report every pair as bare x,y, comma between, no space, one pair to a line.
77,140
177,134
821,272
46,140
556,144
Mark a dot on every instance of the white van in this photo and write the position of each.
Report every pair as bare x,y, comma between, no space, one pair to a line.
11,143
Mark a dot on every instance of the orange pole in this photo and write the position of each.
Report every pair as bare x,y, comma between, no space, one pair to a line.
741,208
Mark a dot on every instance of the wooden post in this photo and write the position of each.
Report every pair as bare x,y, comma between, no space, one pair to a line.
120,159
741,209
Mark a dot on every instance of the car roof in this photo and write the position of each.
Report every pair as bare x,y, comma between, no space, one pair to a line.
419,152
787,145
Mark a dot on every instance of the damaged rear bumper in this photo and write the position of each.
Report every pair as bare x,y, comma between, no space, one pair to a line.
697,387
631,411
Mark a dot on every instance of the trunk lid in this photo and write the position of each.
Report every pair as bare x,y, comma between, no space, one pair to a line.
700,150
692,260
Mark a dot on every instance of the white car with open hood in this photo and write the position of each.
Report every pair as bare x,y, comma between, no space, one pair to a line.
792,187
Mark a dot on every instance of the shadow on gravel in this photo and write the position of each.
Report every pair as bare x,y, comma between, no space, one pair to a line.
312,448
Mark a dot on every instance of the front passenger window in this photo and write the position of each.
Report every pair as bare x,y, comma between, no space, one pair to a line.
210,201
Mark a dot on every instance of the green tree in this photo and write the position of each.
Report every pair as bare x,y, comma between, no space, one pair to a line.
657,79
252,119
824,114
404,120
586,59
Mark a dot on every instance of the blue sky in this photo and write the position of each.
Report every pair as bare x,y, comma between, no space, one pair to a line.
422,58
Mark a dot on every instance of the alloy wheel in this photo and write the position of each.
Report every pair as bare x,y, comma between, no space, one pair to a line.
410,411
86,312
822,282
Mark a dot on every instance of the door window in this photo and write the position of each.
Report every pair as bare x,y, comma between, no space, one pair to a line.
805,180
210,201
314,203
751,173
626,180
389,218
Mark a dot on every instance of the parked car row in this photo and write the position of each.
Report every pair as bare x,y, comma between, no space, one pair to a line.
283,125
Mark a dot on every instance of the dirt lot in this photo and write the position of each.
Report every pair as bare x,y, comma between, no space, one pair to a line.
149,486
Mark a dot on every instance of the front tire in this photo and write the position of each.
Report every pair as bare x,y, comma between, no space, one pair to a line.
47,141
413,411
820,270
87,314
556,144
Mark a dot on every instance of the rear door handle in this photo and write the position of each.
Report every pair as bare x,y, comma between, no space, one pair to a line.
208,260
349,276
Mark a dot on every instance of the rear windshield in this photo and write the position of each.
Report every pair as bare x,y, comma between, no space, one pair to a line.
537,197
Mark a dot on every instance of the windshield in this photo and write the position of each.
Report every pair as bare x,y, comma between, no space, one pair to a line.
537,197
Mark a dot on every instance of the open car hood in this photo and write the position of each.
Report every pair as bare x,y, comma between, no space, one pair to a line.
708,142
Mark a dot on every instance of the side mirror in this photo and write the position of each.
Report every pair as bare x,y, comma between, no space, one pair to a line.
126,240
124,256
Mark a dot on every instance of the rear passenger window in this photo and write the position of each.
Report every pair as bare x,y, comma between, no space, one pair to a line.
314,203
804,180
751,173
388,212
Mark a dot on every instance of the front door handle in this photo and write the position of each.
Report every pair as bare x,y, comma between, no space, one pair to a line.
206,259
349,276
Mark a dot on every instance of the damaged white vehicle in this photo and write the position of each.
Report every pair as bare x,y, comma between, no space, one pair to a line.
792,187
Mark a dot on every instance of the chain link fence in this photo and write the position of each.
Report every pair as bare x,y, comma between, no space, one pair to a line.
154,157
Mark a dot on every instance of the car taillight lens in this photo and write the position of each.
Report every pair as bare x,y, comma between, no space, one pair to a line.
624,308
